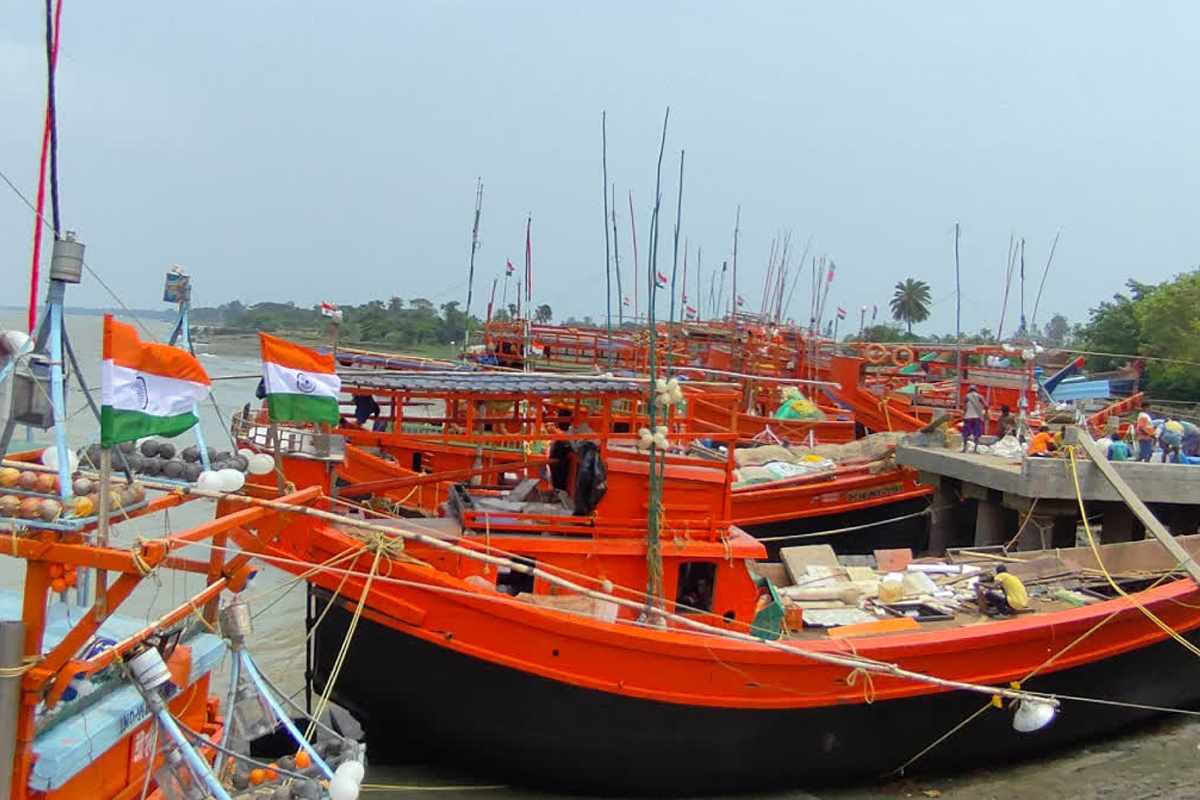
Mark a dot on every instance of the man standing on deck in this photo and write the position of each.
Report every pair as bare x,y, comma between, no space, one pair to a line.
974,407
1145,433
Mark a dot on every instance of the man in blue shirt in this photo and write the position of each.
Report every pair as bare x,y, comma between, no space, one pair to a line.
1118,450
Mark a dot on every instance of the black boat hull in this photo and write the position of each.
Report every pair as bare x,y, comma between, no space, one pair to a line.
420,701
878,532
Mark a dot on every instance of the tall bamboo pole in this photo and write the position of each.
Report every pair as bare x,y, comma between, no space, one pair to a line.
617,261
633,228
471,270
607,259
654,581
674,270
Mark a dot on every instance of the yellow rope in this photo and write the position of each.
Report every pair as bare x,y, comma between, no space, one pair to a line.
1111,582
341,657
143,567
27,663
1135,602
1021,527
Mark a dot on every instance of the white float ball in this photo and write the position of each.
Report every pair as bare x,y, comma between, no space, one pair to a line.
353,769
230,479
50,459
261,464
342,788
209,481
246,453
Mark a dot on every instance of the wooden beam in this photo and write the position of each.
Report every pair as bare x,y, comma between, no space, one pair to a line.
1139,509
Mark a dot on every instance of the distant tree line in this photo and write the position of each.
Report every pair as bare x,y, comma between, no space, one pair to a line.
1158,321
415,322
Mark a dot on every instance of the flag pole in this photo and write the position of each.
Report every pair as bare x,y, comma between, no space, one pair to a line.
504,299
105,510
958,365
733,315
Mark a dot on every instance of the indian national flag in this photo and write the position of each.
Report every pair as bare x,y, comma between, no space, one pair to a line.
146,388
302,385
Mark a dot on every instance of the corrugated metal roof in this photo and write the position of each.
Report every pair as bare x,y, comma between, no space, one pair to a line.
486,383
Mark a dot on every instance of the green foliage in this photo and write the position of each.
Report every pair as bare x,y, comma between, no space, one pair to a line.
1163,321
1112,328
882,333
1058,332
543,314
420,323
910,302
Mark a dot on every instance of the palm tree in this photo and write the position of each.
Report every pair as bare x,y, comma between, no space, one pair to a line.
543,314
910,303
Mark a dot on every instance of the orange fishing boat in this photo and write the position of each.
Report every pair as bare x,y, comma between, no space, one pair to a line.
434,430
587,658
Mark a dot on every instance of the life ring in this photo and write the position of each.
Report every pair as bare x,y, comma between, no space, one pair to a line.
903,355
876,353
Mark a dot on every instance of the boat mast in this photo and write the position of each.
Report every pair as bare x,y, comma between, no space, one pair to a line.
654,567
674,271
633,229
471,269
607,258
958,362
737,221
617,261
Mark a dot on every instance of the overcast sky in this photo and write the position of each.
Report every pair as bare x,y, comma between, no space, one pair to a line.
329,151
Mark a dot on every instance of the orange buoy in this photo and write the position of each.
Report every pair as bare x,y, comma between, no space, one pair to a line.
302,760
876,353
58,585
903,355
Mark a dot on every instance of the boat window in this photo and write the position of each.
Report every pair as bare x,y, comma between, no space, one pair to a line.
416,462
696,584
513,583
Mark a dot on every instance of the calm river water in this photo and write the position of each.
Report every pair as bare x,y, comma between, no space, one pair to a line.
1162,761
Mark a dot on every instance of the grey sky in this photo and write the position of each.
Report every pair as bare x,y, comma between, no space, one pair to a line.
312,151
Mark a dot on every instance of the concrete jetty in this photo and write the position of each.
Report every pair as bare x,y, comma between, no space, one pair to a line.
1033,499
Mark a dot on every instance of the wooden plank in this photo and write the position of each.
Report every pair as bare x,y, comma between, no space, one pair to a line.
798,558
1153,526
894,559
893,625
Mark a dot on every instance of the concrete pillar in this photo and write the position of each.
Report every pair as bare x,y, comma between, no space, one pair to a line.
1035,532
1064,531
1117,524
989,524
1184,520
941,519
